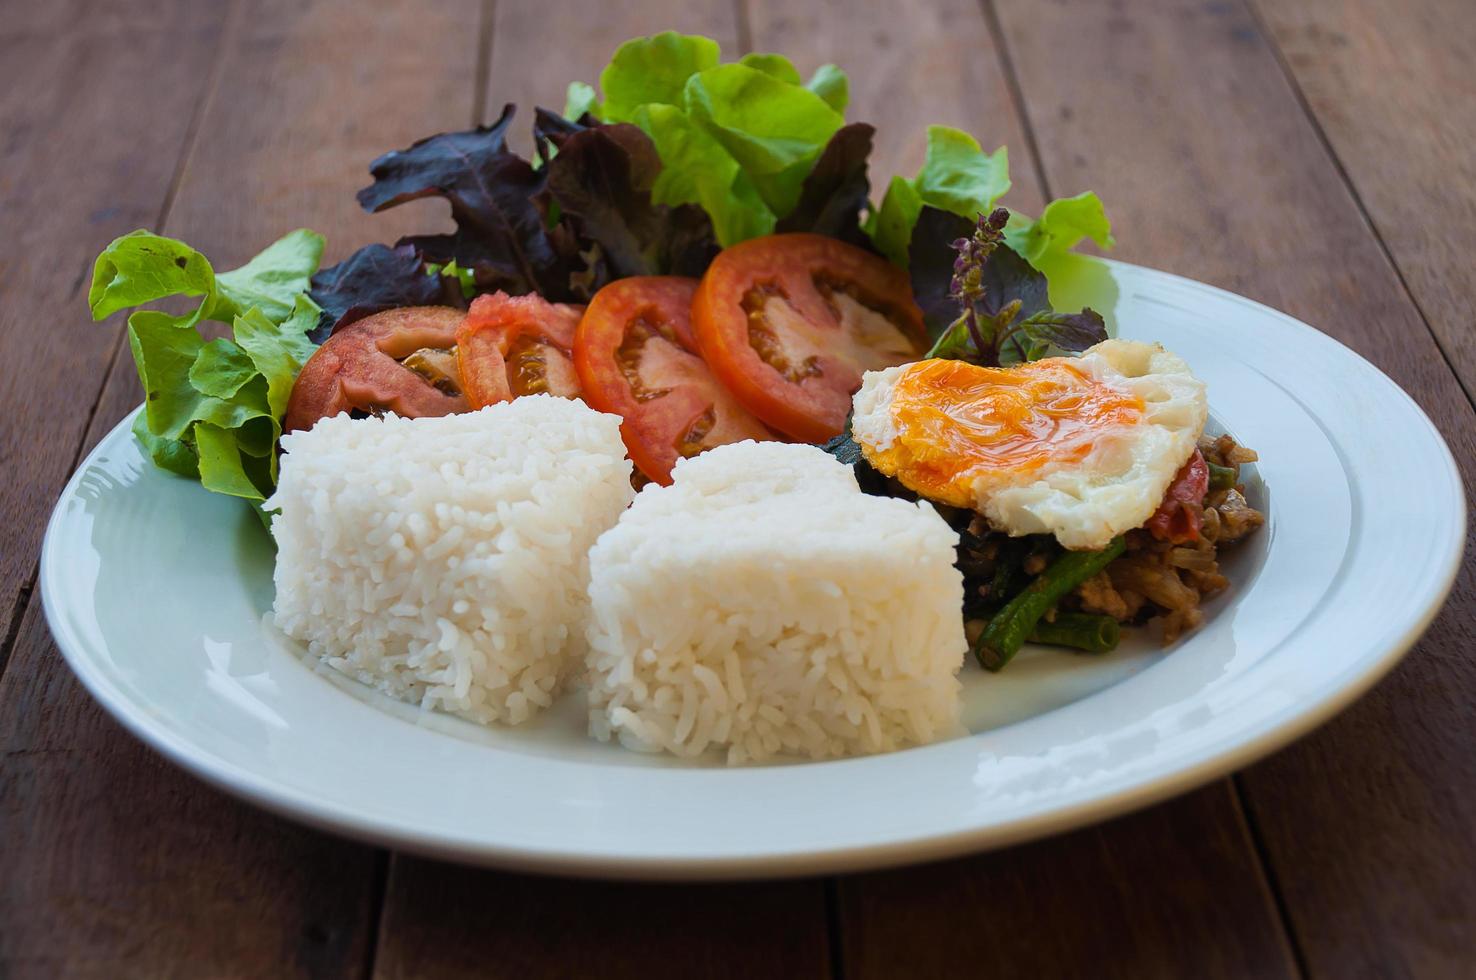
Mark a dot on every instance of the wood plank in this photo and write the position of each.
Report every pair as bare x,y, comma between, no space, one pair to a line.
1390,86
1104,888
1163,893
1180,116
115,863
118,864
442,921
74,174
448,922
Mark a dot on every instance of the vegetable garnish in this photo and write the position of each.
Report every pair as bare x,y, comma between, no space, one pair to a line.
739,138
678,154
398,361
637,358
213,409
509,346
1006,314
789,323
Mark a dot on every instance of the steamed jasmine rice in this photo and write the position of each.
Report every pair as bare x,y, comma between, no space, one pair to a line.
763,605
444,561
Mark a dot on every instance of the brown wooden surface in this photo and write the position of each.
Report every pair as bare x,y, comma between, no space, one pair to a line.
1311,155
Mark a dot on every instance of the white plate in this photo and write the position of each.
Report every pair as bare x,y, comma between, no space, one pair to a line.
156,591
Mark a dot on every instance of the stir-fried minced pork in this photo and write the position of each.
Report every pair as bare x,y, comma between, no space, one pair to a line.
1163,583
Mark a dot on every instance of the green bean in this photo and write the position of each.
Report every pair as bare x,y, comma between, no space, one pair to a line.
1222,477
1080,631
1012,625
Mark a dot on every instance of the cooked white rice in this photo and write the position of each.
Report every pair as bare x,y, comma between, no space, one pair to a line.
764,605
445,560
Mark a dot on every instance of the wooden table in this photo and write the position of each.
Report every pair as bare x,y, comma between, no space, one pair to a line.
1315,155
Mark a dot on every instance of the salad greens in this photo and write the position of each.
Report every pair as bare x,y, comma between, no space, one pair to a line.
213,408
738,139
676,155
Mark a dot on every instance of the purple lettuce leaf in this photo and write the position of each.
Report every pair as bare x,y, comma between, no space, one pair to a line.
501,233
373,279
835,191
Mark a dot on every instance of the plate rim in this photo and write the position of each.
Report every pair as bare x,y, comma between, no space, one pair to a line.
1267,736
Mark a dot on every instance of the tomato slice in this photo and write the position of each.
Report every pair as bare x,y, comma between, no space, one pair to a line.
789,323
398,361
637,358
1179,518
516,345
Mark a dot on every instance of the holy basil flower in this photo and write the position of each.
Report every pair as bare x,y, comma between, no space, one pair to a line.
1005,313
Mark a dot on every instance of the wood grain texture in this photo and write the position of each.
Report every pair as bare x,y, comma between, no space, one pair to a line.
1210,168
1170,892
116,864
446,922
1390,84
443,921
74,174
1103,888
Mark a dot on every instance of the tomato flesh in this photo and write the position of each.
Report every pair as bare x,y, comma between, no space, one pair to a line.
1180,517
790,322
395,361
516,345
637,358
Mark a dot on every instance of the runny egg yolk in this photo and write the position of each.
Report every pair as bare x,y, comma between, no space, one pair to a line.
960,425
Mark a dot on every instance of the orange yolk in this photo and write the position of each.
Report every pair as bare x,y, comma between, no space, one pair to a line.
957,423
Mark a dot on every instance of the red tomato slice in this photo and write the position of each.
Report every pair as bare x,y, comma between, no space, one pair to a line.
399,361
637,358
789,323
516,345
1181,515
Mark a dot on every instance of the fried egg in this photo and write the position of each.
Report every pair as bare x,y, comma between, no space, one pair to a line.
1080,447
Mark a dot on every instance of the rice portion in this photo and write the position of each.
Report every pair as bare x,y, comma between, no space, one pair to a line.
444,561
765,606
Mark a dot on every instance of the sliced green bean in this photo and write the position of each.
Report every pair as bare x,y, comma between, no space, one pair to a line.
1222,477
1012,625
1080,631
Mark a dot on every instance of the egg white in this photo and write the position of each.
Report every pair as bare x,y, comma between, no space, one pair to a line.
1121,481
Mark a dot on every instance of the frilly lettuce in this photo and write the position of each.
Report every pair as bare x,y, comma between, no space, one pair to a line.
738,138
213,408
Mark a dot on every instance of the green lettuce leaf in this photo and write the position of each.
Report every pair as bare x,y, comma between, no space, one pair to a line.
581,99
739,139
696,169
775,65
212,409
274,279
832,85
221,369
141,268
957,176
646,70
